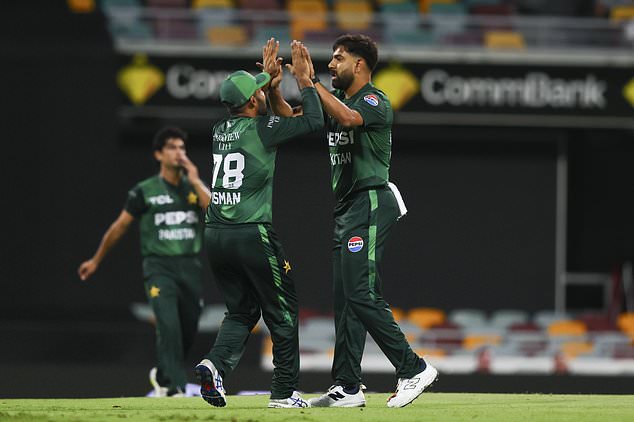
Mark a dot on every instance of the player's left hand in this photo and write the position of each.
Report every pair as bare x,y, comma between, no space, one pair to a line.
271,63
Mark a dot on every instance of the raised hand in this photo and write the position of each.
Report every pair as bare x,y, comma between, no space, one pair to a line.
299,66
271,64
311,68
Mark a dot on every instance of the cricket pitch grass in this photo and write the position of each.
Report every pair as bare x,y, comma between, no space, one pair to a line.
429,407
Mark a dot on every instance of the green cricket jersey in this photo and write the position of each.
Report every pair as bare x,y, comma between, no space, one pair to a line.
360,156
244,151
170,223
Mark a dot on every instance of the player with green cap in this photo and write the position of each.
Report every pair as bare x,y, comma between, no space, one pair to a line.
246,258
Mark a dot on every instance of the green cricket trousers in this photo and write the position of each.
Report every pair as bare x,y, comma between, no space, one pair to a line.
173,285
251,270
363,223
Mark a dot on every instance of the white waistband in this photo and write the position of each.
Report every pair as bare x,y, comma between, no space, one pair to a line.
399,199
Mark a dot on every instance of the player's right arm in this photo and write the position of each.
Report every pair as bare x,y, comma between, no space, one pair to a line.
112,236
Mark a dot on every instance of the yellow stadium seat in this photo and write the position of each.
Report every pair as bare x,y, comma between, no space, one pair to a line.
474,341
223,4
398,313
625,322
427,351
504,40
426,317
81,6
410,337
307,15
567,328
353,15
572,349
227,35
619,13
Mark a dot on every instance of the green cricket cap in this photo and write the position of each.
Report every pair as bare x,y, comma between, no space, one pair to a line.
236,90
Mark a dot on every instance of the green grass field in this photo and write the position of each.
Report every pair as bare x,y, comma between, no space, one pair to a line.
429,407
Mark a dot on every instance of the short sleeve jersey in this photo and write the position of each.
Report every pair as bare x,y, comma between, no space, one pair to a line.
244,151
169,217
360,156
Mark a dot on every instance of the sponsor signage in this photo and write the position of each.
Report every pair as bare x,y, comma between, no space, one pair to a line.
417,91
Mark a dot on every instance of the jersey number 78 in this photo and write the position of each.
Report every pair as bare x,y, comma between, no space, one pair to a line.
232,170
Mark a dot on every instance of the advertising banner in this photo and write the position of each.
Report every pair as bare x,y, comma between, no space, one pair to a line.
421,93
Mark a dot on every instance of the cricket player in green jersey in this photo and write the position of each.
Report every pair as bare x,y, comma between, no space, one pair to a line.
246,258
359,136
168,207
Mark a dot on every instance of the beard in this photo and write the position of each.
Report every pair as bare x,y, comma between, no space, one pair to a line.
262,111
343,81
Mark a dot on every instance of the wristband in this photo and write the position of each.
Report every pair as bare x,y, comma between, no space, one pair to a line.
314,79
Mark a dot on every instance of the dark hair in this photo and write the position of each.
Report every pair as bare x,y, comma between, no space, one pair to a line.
359,45
166,133
236,110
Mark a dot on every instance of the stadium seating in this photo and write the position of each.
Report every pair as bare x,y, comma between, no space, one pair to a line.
307,15
81,6
426,317
167,3
490,24
234,35
504,40
398,314
468,317
353,15
619,13
507,342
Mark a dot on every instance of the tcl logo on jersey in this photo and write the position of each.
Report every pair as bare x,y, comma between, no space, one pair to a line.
160,200
340,138
355,244
175,217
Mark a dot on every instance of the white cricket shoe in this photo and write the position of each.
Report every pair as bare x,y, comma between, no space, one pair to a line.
408,389
158,390
336,397
211,387
293,402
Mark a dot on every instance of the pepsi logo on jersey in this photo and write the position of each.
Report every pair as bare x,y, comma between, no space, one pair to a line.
355,244
371,99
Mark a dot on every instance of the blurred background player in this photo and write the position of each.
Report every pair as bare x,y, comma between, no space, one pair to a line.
359,134
168,208
246,258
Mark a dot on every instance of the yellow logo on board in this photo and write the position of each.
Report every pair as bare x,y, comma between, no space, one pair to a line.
140,80
398,83
628,92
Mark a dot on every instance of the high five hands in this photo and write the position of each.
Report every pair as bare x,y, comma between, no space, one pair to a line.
301,66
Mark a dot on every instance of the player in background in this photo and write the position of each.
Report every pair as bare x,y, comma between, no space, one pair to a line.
359,135
168,207
246,258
